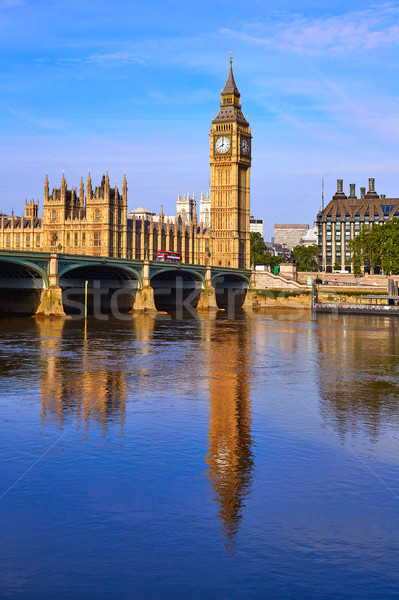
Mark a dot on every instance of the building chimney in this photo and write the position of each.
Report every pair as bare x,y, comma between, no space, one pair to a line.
362,192
340,186
371,185
352,193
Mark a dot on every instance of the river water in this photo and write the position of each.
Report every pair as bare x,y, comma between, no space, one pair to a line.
254,457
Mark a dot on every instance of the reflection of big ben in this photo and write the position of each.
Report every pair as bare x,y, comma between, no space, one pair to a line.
230,160
230,459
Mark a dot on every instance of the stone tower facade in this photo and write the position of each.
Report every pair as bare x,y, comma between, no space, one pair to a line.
230,161
205,209
185,207
94,225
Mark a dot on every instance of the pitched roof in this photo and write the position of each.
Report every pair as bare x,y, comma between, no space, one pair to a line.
230,85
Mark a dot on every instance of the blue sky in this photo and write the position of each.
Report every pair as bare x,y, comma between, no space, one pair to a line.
131,87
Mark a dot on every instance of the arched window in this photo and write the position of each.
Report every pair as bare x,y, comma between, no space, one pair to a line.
97,214
54,215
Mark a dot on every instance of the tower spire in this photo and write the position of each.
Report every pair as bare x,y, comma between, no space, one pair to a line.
230,85
230,103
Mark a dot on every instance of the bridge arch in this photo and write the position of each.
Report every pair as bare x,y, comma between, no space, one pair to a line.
22,269
111,287
228,276
174,269
93,268
230,288
21,285
176,288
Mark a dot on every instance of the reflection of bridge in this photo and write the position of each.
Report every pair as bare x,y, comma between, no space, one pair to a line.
41,282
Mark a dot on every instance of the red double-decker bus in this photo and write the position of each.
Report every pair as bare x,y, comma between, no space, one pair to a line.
169,256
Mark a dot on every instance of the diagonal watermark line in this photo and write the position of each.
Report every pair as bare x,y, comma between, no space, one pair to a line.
39,139
29,469
334,164
351,450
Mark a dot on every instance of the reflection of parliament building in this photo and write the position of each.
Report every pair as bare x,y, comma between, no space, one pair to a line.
95,222
85,388
92,392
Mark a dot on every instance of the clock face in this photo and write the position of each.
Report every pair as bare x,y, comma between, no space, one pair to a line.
222,145
244,146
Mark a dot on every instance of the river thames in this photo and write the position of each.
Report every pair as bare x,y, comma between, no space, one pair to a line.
210,457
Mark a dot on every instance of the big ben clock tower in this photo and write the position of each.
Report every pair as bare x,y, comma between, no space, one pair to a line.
230,160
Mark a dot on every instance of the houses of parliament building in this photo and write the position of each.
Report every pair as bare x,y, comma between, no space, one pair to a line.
96,222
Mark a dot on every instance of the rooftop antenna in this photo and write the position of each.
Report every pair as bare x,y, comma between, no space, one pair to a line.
322,193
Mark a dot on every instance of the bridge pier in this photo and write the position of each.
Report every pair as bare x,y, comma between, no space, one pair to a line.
207,299
51,299
144,300
250,301
51,303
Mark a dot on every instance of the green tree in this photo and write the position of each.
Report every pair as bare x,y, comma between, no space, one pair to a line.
376,247
260,254
258,248
306,257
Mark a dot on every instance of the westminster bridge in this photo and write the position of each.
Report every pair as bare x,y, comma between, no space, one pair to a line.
56,284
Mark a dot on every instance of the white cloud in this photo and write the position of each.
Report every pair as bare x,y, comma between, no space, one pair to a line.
356,31
113,59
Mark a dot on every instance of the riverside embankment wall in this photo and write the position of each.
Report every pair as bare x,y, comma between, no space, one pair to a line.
296,298
276,291
348,278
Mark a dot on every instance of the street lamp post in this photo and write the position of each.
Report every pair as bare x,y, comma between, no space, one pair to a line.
54,239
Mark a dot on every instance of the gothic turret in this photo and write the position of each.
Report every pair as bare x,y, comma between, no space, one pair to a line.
46,189
89,189
81,193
